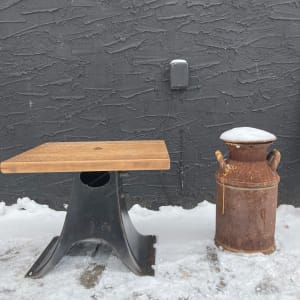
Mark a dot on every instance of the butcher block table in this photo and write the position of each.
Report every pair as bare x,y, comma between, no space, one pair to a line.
97,209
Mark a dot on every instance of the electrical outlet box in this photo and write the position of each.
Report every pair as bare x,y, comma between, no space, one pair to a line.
179,74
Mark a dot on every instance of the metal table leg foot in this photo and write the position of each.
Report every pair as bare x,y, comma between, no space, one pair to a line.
97,211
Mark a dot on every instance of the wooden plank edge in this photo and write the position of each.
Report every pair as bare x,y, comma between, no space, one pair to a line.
8,167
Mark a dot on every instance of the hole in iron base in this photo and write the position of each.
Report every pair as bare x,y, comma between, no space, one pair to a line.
95,179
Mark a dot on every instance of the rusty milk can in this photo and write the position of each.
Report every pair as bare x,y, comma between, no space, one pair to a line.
246,191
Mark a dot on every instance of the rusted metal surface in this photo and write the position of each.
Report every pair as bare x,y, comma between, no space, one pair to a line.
246,198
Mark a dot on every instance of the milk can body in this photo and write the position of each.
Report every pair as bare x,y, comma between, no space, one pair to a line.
246,198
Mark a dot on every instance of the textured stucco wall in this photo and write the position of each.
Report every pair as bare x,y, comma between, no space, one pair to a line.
98,70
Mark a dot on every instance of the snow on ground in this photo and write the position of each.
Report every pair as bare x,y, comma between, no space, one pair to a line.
188,267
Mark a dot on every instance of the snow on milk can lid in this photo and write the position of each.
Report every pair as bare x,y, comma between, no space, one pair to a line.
247,135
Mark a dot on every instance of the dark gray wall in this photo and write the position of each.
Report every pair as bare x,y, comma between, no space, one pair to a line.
99,70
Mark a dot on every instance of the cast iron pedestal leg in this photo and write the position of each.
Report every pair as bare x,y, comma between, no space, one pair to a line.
97,211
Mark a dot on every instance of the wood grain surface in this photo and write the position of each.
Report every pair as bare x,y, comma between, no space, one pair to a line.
90,156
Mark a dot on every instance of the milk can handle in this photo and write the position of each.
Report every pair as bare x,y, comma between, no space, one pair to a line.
273,159
220,159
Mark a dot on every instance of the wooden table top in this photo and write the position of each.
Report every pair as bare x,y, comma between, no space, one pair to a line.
90,156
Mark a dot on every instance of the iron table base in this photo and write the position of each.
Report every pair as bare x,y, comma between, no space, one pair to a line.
97,211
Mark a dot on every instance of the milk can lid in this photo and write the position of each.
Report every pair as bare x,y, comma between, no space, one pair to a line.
247,135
